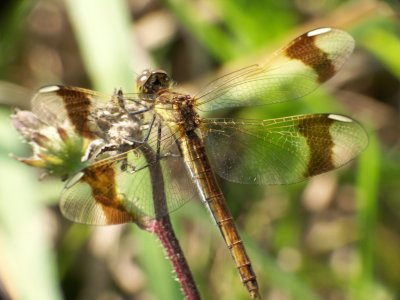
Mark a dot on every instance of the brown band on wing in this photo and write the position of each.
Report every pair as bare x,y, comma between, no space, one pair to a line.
319,140
102,181
77,105
304,48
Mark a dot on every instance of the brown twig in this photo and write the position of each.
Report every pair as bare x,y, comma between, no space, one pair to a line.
161,226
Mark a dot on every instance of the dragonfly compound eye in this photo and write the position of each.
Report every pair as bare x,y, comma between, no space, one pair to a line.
141,81
154,82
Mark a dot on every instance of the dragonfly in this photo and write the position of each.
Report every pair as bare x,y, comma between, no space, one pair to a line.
129,134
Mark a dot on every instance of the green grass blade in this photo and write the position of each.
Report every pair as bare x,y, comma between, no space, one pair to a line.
363,284
27,263
103,32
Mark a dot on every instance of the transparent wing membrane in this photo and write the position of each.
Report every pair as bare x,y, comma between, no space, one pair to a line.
284,150
85,111
294,71
62,105
129,186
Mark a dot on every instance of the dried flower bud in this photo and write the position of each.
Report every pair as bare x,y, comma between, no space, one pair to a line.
60,151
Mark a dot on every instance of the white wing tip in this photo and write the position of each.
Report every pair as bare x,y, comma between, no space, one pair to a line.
318,31
49,89
340,118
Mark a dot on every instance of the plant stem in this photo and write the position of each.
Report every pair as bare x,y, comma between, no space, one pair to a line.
164,231
161,226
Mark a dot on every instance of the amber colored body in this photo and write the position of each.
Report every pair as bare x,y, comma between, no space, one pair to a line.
185,122
197,163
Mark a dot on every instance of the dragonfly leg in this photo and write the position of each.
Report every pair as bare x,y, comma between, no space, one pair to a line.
138,112
146,138
158,143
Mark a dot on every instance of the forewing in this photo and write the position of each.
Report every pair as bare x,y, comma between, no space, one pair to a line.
294,71
128,187
63,106
284,150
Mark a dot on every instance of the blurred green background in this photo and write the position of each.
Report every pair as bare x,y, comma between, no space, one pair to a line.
336,236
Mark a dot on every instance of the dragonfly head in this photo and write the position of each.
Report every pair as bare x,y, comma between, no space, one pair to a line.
150,82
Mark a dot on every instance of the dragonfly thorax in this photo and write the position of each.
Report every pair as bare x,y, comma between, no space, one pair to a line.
185,113
177,110
149,83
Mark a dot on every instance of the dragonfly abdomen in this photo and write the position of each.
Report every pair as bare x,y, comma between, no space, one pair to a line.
197,163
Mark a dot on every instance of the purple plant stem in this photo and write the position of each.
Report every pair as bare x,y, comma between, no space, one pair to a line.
164,231
161,226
